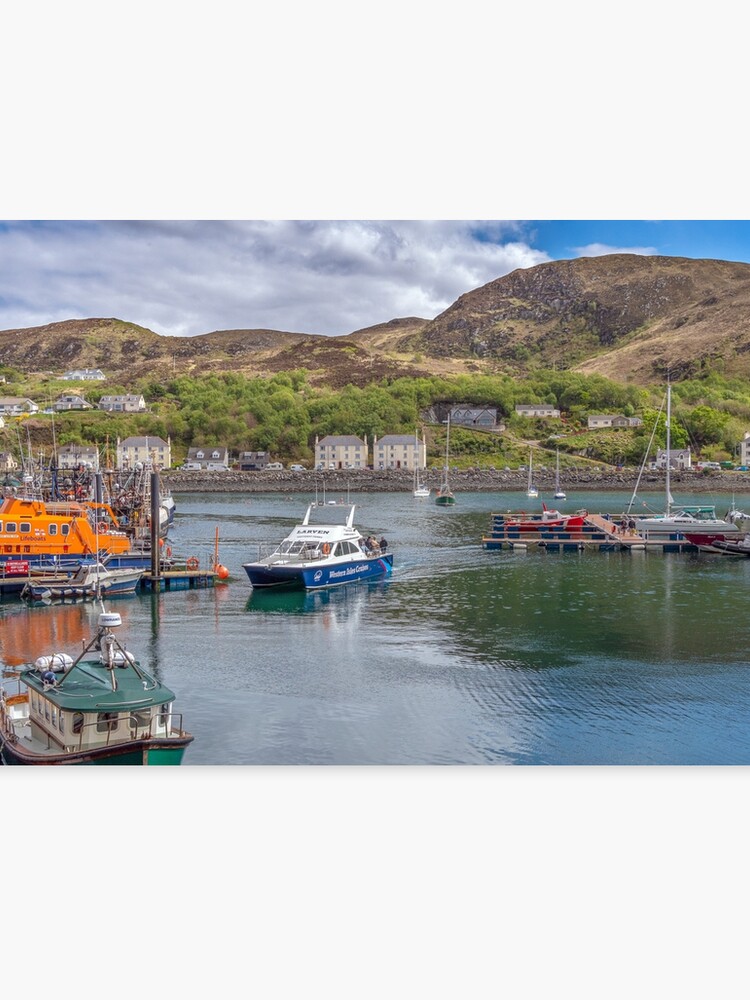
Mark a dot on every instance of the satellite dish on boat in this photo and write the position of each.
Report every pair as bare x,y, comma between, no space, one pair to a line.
109,619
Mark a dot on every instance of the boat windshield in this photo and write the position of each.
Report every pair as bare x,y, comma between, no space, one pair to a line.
297,548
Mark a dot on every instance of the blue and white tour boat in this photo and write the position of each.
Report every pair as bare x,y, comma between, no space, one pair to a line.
321,552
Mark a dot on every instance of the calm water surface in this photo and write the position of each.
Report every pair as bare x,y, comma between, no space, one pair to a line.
463,657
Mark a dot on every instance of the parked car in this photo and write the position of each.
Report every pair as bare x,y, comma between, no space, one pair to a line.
275,467
296,468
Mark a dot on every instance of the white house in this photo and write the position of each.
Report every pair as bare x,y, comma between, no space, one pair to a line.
345,451
13,406
213,457
679,458
146,450
128,403
7,462
399,451
84,375
536,410
71,402
612,420
71,456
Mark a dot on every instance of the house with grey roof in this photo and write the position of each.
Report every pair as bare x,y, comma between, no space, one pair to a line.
14,406
537,410
84,375
126,403
72,456
341,451
399,451
212,457
474,416
69,401
154,451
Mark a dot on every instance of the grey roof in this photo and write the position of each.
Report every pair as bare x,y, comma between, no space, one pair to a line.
398,439
335,440
144,442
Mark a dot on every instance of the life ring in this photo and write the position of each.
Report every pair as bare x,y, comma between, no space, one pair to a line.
326,549
103,527
192,563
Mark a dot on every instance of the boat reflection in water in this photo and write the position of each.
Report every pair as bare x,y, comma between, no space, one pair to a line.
343,602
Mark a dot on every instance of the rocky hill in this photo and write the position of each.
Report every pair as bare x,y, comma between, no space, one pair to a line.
629,317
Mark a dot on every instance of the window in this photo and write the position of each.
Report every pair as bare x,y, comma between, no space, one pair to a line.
78,722
64,529
140,720
106,722
25,527
62,721
11,526
52,529
164,715
54,717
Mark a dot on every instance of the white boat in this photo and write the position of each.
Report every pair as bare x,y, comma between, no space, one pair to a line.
324,550
559,493
679,520
421,492
531,490
90,581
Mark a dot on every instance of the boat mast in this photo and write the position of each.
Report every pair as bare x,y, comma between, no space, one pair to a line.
669,413
447,446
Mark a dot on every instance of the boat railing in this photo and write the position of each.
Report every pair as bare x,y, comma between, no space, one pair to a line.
163,726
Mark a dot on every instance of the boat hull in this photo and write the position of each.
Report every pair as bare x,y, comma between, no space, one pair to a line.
317,576
134,752
445,500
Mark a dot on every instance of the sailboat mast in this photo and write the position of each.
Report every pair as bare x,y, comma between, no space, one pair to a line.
669,415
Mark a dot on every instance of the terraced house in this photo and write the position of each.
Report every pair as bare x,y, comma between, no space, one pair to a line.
345,451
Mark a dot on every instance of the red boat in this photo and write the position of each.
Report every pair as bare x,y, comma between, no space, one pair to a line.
541,522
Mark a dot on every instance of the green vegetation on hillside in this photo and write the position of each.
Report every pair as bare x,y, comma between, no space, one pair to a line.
284,414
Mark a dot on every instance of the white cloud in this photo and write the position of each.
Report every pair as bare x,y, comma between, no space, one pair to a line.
601,249
184,278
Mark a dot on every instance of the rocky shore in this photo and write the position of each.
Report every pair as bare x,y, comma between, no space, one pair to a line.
470,481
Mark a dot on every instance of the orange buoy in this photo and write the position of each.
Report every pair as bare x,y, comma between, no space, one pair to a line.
222,572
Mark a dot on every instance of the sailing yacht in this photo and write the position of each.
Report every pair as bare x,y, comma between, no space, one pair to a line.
531,490
421,491
444,496
559,493
677,521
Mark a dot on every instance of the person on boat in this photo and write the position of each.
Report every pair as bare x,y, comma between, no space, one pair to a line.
383,545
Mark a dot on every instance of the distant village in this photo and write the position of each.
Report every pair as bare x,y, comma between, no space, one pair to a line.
347,451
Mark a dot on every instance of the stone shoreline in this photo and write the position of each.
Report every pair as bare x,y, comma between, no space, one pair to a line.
471,480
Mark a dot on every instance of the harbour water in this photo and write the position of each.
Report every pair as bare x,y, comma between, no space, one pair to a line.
464,656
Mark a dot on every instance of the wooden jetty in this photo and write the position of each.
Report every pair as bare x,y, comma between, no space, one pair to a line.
598,532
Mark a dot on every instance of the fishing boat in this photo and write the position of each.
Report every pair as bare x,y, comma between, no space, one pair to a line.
420,491
100,708
559,492
445,496
47,533
531,490
89,581
324,550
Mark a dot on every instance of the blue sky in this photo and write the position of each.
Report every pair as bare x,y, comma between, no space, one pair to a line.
182,278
